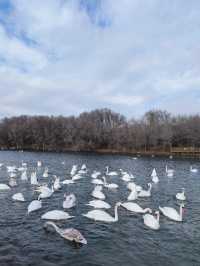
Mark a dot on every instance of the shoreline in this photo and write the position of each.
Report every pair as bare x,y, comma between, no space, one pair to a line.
175,154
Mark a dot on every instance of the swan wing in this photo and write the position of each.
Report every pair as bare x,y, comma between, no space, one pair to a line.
99,215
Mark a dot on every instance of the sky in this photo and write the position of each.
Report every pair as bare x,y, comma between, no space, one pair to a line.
64,57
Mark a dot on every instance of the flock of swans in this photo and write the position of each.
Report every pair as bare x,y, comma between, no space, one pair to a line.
100,181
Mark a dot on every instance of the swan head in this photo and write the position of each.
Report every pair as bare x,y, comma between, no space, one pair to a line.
80,239
118,204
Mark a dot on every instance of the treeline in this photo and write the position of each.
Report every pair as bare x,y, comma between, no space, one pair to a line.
100,130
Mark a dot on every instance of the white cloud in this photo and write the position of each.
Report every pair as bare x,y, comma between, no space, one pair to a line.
55,60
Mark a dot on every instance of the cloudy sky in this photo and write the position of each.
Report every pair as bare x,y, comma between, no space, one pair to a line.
68,56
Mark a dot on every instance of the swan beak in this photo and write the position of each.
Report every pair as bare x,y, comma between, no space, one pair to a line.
83,241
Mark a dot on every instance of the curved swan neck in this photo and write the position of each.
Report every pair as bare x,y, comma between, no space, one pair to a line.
54,226
150,188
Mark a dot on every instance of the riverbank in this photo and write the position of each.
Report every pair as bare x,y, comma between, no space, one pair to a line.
174,152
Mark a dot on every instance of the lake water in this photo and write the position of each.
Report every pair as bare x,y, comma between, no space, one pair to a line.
23,240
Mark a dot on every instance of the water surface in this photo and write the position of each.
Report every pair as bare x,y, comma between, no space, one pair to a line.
23,240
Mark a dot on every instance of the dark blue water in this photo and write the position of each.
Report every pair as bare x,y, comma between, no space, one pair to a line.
23,240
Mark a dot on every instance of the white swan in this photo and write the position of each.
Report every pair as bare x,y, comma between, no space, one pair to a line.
12,174
82,172
97,193
34,206
109,185
39,164
24,176
95,174
100,215
193,170
145,193
70,234
133,195
97,181
18,197
56,184
11,169
70,201
56,215
12,182
4,187
83,167
126,177
74,170
181,195
45,192
77,177
67,181
34,180
151,221
132,186
172,214
110,173
154,176
134,207
46,172
99,204
169,172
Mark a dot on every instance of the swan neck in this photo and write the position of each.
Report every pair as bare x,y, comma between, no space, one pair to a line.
54,226
181,212
150,188
105,181
106,169
116,213
158,217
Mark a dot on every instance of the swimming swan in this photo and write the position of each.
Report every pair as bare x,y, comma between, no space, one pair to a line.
70,234
109,185
18,197
34,206
172,214
56,215
99,215
134,207
169,172
145,193
193,170
4,187
97,193
151,221
99,204
110,173
154,176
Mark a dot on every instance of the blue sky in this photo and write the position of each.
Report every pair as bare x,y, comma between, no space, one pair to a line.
69,56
